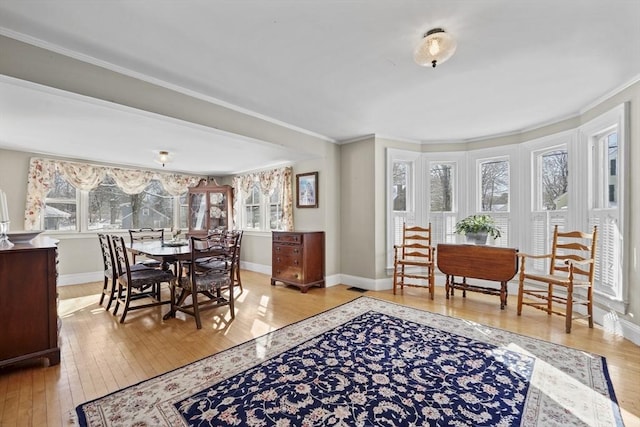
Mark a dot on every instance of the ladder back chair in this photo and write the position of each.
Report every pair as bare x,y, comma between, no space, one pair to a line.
208,273
110,269
146,235
413,263
571,267
134,284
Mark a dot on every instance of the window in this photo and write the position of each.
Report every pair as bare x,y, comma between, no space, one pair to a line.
252,208
494,186
276,214
553,180
264,200
72,196
401,184
111,208
61,206
442,201
262,212
574,179
442,176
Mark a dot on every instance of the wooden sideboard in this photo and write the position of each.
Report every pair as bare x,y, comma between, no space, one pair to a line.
28,302
479,262
297,259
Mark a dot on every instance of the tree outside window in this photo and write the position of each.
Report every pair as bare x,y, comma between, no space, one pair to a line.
111,208
401,171
554,179
442,175
494,186
61,206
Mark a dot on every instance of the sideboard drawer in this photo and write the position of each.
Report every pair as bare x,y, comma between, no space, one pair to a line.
288,238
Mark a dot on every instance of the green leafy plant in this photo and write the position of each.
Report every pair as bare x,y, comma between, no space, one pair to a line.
478,224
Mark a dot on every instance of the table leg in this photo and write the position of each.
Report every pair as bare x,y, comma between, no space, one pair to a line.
503,295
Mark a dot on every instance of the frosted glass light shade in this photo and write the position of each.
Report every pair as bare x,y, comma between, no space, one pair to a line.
435,48
163,158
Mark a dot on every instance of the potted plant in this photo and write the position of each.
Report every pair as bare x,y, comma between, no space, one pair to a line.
476,228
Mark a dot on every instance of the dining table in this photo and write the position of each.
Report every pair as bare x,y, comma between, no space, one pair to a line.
167,252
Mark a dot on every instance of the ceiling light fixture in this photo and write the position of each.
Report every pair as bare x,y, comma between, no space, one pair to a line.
163,157
435,48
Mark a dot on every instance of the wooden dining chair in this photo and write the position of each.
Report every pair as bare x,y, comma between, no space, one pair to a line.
571,267
414,260
110,270
146,235
135,284
237,281
205,282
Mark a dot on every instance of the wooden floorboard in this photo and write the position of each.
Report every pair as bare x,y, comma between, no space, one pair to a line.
100,355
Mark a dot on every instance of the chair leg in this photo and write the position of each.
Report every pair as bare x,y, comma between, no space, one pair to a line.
590,305
112,293
432,288
127,302
520,291
232,302
118,298
549,299
569,311
104,289
196,310
238,278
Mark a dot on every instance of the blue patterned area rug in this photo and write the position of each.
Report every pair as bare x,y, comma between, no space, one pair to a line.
373,363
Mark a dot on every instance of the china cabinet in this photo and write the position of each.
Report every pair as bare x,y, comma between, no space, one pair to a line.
210,207
29,322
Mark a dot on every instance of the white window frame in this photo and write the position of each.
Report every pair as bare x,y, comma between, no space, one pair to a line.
264,209
611,288
459,203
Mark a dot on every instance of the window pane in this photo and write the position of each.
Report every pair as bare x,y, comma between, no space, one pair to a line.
111,208
442,176
184,210
252,215
494,186
401,172
275,211
554,180
60,211
612,179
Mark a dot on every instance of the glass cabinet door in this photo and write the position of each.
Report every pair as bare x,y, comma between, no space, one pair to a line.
198,211
217,210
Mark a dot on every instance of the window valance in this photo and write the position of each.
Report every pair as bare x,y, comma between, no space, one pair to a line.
268,182
86,177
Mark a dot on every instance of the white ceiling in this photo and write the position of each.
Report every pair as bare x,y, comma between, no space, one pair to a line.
340,69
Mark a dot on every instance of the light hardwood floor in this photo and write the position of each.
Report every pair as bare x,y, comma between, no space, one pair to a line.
100,355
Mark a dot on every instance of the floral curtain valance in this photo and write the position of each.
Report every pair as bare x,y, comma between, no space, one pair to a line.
86,177
268,182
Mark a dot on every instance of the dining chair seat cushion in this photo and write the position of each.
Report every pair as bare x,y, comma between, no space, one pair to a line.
149,263
213,264
206,282
147,276
135,267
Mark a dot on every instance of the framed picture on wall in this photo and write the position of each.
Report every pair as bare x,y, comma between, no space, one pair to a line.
307,190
